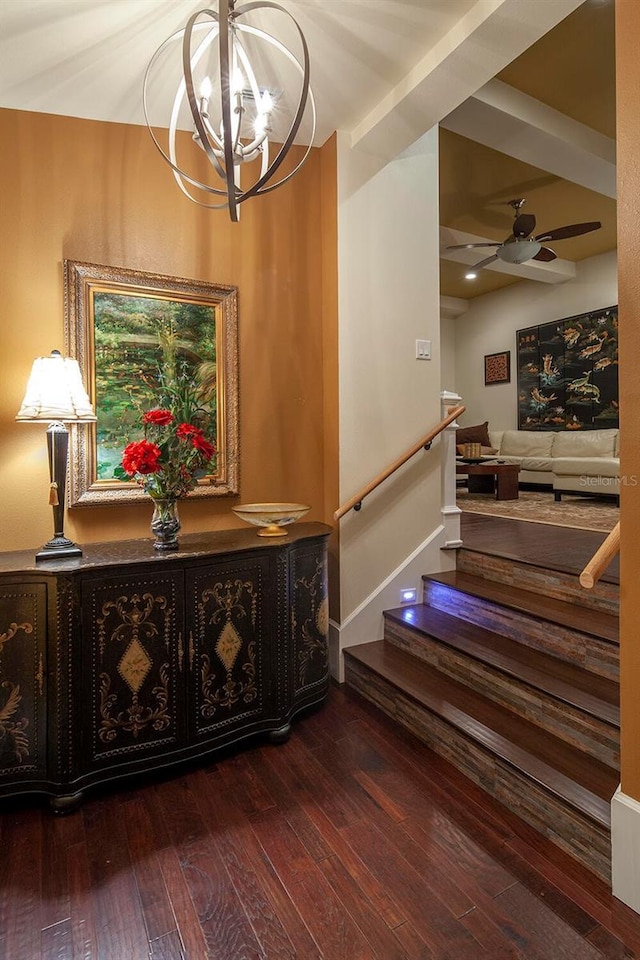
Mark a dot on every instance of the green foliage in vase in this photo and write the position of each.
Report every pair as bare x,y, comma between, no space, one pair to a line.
175,451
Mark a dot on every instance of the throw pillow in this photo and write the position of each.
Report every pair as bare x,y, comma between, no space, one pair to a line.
479,433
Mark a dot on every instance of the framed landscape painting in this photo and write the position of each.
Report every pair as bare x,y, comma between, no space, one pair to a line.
124,327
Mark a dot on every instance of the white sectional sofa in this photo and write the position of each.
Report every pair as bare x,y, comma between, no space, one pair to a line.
584,461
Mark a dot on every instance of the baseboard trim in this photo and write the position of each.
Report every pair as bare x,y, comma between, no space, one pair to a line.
625,849
365,623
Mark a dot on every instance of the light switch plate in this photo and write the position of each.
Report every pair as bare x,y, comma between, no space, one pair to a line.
423,349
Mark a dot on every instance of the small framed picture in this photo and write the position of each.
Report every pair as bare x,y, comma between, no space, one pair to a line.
497,368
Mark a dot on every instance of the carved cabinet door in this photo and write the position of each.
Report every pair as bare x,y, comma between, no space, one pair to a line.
23,631
309,621
132,667
232,683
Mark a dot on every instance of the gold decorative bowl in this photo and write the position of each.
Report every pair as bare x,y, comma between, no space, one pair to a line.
273,517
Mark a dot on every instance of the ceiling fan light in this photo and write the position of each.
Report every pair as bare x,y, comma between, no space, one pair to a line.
518,251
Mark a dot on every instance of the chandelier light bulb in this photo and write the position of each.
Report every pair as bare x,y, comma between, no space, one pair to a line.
238,82
205,94
231,110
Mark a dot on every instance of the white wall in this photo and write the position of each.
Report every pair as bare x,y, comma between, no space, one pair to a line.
490,325
388,298
448,353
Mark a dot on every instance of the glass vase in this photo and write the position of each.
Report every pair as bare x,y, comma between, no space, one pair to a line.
165,524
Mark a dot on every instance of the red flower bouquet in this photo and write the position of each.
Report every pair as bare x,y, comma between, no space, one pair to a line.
172,456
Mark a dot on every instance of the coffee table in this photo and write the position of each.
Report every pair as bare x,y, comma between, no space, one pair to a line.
498,478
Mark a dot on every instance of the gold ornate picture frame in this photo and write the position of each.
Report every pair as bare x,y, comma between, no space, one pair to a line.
118,324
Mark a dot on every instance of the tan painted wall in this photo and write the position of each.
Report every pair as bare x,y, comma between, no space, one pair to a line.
628,139
99,192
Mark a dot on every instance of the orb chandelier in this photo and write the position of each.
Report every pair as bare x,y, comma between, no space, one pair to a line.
232,113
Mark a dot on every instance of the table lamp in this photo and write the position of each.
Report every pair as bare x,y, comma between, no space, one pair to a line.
55,393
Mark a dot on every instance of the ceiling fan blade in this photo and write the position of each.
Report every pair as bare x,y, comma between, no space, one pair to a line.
572,230
483,263
545,254
523,225
468,246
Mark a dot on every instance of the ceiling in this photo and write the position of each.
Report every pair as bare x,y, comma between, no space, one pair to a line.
544,129
572,70
86,58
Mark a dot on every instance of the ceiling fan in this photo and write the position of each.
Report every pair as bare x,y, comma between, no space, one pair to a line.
520,246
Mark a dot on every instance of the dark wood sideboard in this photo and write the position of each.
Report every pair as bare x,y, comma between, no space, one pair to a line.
125,660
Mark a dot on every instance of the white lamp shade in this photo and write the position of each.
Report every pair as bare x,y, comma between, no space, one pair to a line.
55,391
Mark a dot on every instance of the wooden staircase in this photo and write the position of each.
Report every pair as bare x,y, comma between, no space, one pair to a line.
510,671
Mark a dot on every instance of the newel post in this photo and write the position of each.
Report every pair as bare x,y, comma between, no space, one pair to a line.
450,510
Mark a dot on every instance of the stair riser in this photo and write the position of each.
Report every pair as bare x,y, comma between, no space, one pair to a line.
579,836
591,653
587,733
547,583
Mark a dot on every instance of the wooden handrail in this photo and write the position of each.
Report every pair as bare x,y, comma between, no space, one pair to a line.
601,558
356,502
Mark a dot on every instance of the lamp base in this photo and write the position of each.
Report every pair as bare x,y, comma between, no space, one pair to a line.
58,548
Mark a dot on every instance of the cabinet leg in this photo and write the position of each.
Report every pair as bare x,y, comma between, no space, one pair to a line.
281,735
66,804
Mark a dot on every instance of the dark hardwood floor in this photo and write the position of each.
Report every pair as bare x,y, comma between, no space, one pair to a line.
353,841
541,544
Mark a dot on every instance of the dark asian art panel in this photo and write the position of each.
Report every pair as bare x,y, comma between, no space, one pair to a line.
568,373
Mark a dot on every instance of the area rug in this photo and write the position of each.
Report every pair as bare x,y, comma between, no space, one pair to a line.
582,513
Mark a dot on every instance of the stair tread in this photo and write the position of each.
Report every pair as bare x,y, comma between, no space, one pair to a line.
533,545
585,783
596,695
596,623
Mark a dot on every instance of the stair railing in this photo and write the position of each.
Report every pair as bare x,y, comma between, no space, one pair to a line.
355,503
601,559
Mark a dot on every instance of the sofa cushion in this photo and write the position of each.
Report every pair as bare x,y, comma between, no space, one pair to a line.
537,463
526,443
479,433
584,443
586,466
496,438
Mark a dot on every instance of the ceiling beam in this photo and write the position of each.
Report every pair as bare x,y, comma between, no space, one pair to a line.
558,271
452,307
490,36
505,119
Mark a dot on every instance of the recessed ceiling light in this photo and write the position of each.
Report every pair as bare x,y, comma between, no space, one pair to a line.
470,276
